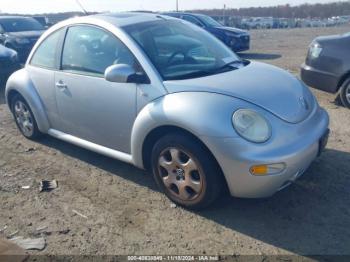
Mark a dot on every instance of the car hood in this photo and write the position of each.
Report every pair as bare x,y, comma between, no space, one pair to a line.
233,30
321,39
26,34
266,86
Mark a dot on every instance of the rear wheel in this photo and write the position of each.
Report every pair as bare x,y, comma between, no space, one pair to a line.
186,172
344,94
24,118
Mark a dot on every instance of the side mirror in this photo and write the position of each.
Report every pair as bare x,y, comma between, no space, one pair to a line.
122,73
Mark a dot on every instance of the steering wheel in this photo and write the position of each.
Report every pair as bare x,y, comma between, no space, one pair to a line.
171,58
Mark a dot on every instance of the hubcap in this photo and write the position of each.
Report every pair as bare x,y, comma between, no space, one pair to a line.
24,118
180,174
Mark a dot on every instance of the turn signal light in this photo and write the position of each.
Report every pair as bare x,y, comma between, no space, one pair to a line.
259,170
262,170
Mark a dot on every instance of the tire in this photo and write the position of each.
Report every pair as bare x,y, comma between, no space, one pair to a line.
186,172
24,118
344,94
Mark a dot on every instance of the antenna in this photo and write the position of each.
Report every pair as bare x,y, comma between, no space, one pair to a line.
177,5
81,6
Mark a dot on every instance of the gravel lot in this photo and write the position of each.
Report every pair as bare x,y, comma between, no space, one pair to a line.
127,215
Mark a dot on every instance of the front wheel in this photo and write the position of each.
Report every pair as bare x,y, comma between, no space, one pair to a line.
344,94
186,172
24,118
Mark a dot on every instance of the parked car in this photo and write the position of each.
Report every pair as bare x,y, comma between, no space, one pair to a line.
43,20
167,96
20,33
327,66
238,40
8,62
317,23
259,23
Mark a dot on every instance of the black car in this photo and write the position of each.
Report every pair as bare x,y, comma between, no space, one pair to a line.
238,40
327,66
20,33
8,62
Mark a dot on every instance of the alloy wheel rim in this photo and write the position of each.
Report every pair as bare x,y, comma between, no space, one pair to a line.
347,94
180,174
24,118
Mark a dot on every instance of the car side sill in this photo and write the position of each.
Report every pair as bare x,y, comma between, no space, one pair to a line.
91,146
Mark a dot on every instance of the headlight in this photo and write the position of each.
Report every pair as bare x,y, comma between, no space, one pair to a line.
315,50
251,126
22,41
14,57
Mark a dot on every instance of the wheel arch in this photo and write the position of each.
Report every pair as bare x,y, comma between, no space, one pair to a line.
157,133
154,135
20,83
344,78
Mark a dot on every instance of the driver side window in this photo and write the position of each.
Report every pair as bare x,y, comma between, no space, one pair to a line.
89,50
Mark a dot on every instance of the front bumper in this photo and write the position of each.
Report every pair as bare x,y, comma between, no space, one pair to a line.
319,79
240,43
297,151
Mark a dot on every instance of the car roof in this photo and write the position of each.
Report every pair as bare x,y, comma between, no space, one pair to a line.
129,18
12,17
183,13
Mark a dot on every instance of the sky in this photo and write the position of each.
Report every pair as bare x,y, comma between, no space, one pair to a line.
43,6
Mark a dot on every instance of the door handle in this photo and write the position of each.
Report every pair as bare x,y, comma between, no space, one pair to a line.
61,85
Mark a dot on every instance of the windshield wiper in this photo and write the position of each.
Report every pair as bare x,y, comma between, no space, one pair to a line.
231,65
201,73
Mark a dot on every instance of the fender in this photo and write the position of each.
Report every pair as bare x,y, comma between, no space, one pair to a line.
196,112
21,83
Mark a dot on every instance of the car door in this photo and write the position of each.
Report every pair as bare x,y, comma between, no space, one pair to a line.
90,107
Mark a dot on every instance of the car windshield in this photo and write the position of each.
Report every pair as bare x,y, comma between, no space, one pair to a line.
20,24
209,21
180,50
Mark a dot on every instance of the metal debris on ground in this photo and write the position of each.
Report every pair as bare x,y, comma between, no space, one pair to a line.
79,214
25,187
30,244
47,186
173,205
12,234
41,228
64,232
31,149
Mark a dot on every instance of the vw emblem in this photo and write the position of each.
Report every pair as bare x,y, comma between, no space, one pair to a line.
180,172
304,103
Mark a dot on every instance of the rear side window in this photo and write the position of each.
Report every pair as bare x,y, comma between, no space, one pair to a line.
45,54
192,20
89,50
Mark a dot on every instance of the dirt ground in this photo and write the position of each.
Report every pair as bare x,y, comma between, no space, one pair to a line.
125,214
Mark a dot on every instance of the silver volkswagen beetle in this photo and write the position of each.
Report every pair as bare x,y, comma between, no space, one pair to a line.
166,96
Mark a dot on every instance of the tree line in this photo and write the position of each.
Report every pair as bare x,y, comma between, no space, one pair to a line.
287,11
